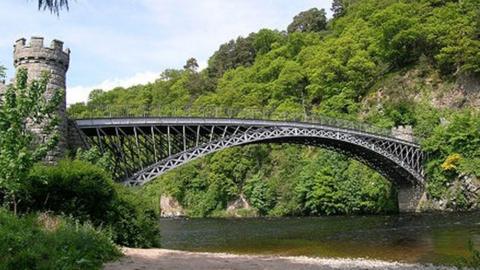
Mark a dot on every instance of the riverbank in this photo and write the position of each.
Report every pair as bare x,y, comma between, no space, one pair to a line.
171,259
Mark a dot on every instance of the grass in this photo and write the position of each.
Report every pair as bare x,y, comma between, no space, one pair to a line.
472,261
42,241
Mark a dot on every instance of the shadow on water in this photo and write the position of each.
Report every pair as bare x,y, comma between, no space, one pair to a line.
427,238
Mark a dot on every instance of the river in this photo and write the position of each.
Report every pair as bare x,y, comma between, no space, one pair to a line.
439,238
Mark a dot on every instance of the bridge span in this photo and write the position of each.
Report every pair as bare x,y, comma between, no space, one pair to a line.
143,148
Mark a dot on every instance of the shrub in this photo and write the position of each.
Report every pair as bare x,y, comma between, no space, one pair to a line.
473,260
453,149
72,187
47,242
259,194
132,223
86,192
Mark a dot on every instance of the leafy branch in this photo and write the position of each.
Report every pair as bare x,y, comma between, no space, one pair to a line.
25,107
54,6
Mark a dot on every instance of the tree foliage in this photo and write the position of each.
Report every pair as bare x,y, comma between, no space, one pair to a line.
25,104
339,7
191,65
312,20
87,193
233,54
453,149
54,6
358,68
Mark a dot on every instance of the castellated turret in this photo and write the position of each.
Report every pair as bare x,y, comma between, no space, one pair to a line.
37,58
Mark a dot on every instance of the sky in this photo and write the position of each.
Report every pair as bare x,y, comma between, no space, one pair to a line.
128,42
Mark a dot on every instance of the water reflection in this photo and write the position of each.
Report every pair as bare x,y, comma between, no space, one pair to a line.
435,238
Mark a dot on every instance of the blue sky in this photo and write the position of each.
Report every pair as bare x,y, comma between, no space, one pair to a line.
127,42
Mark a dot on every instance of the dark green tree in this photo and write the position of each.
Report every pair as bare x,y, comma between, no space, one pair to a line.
191,65
194,82
265,39
312,20
233,54
339,7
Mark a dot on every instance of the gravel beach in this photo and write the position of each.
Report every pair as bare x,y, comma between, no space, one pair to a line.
143,259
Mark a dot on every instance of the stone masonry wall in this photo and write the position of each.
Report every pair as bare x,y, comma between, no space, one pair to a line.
37,58
403,133
75,138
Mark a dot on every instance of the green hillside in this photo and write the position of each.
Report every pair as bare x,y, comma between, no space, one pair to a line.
385,62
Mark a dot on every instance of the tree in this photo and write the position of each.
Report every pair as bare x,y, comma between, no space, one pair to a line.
194,82
312,20
233,54
23,105
265,39
54,6
191,65
339,7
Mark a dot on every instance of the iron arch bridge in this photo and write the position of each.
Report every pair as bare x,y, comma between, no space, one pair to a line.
143,148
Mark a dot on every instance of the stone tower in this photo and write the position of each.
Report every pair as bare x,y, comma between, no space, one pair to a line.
37,58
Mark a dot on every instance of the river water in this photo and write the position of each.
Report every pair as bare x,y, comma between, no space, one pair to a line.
425,238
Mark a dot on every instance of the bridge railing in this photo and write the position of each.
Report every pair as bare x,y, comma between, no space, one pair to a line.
220,112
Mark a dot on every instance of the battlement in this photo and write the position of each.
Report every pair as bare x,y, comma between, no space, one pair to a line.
403,133
36,52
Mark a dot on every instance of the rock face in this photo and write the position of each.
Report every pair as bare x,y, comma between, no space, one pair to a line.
472,187
464,93
463,194
470,83
239,204
170,207
37,59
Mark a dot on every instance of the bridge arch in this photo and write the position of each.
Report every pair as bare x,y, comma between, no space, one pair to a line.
145,148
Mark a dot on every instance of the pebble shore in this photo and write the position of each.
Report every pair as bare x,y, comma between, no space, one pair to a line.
145,259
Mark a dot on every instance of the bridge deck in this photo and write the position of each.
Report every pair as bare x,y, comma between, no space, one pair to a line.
89,125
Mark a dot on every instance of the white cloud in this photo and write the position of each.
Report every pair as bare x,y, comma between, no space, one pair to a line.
117,38
80,93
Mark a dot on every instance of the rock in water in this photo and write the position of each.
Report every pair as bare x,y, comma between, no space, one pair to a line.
170,207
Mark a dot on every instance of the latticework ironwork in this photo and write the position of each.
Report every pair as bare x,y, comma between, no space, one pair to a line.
144,148
125,111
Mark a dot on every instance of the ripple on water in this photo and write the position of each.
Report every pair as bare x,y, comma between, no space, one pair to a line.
426,238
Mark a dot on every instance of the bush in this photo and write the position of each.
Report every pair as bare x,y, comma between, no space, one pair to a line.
132,223
453,149
73,188
259,194
86,192
473,260
47,242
